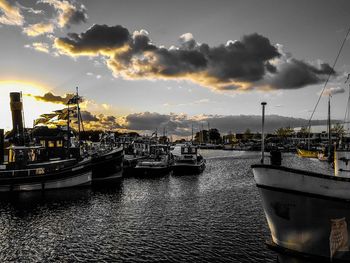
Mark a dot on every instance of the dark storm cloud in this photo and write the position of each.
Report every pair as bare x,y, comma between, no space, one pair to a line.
50,97
242,60
97,38
250,63
297,74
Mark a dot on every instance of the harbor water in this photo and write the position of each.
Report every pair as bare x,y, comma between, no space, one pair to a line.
215,216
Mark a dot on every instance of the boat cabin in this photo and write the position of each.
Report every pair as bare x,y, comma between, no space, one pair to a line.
159,149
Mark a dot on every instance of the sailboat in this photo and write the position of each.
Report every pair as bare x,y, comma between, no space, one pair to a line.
106,159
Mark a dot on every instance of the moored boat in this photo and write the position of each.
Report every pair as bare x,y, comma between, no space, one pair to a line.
28,166
159,161
22,174
307,212
307,153
189,161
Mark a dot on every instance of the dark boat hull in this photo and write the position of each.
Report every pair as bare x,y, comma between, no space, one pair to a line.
78,175
108,167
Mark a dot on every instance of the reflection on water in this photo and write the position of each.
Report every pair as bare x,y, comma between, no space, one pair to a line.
212,217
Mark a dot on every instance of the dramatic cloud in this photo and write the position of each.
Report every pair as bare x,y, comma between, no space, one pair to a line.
49,97
10,15
68,13
100,122
98,39
39,29
296,73
250,63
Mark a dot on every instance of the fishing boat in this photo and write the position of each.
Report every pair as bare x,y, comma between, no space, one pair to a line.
158,162
25,171
308,212
28,167
189,161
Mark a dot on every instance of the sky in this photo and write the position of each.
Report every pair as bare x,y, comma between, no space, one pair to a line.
169,64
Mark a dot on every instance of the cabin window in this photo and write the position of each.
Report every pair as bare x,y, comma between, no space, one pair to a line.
51,144
59,143
42,143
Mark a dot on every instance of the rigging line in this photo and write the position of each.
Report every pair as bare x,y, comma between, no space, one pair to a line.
347,108
329,75
346,117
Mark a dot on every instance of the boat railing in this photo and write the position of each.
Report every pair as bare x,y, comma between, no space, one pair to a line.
22,172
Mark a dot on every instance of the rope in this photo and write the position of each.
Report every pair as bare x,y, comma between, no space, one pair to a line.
346,117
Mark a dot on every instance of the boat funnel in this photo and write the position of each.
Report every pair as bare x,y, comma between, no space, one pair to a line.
17,115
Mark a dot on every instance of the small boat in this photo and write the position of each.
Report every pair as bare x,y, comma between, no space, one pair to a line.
307,153
189,161
159,161
135,150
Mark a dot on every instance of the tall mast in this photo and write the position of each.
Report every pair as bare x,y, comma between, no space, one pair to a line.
263,104
329,127
78,114
68,129
192,134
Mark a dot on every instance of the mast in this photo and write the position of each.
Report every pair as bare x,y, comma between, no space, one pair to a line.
192,134
78,114
263,132
202,132
68,129
329,127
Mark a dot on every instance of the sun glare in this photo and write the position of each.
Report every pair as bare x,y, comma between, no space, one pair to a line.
32,108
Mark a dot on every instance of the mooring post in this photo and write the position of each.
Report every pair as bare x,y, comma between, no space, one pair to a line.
263,132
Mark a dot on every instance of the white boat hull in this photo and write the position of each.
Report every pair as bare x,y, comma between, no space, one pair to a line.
299,207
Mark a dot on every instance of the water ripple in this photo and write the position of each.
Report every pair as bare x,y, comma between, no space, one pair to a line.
212,217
